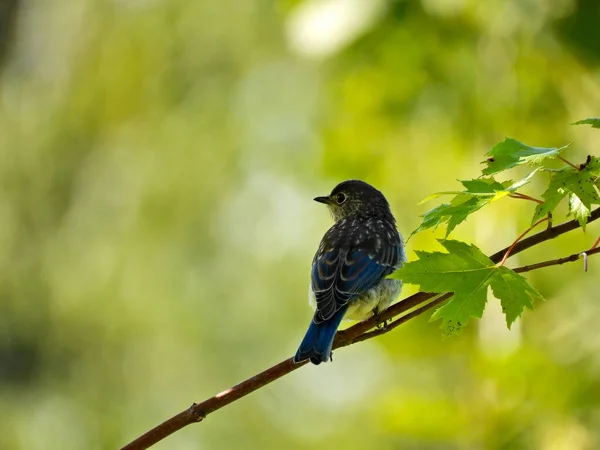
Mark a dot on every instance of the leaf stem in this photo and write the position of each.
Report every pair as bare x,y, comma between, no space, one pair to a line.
569,163
526,197
510,249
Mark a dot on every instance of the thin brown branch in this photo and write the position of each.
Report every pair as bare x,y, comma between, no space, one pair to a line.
422,301
198,411
547,234
556,262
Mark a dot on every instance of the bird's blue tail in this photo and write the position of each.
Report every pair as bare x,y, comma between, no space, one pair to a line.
318,340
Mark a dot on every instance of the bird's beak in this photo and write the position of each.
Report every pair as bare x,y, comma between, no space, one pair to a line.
324,200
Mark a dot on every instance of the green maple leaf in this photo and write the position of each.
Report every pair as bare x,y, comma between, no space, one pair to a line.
510,153
593,121
478,193
467,272
452,214
581,187
578,210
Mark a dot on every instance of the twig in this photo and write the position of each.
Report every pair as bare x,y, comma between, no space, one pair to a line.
507,254
357,333
556,262
198,411
547,234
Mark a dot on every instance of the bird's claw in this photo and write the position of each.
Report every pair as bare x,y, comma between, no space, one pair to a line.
379,323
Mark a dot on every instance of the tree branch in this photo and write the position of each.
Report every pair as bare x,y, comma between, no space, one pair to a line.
547,234
556,262
418,303
198,411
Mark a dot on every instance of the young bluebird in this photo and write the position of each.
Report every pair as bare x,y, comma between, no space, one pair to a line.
349,270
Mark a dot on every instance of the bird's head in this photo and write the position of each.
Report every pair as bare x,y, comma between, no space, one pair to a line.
353,197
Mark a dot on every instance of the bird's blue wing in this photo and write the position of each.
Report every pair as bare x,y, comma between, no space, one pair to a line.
338,276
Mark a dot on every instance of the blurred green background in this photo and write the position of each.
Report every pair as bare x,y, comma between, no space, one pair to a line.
157,164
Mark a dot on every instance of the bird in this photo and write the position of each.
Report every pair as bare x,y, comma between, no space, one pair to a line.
349,269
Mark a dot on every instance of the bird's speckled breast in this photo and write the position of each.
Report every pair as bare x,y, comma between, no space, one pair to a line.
361,308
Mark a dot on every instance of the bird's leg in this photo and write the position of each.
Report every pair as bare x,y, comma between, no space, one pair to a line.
331,357
380,324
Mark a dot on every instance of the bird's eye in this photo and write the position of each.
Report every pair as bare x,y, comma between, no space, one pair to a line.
340,198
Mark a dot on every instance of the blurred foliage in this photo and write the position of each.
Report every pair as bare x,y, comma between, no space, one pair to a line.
157,164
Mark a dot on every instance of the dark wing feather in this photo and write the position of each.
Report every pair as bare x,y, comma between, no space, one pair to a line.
343,272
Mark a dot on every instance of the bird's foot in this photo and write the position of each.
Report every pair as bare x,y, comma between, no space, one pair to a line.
380,324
